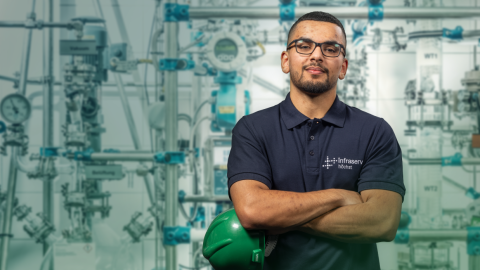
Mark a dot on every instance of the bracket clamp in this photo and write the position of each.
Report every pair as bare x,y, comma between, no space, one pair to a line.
173,64
176,13
173,236
287,12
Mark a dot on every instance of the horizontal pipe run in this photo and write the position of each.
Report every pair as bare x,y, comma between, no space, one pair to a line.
438,161
359,13
437,235
35,24
196,198
135,157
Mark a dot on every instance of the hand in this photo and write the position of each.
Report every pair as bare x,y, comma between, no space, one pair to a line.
350,197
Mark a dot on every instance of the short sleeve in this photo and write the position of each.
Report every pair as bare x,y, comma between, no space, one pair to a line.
247,159
383,162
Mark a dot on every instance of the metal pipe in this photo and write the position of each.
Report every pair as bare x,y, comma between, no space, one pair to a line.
121,157
263,83
455,184
123,33
26,58
36,24
437,235
67,11
127,111
473,262
7,218
359,13
131,123
199,199
48,125
128,84
438,161
171,129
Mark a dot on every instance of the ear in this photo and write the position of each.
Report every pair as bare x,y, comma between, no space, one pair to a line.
343,71
285,62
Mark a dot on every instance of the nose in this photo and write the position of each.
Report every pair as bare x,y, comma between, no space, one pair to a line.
317,54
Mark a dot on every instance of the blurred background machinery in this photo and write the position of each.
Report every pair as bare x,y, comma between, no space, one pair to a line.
116,120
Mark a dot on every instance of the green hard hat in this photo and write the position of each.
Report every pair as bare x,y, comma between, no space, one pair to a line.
228,246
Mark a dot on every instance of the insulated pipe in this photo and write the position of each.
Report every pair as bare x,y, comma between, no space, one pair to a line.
48,125
171,137
437,235
358,13
7,218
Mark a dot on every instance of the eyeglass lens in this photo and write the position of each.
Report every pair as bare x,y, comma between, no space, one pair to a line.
307,47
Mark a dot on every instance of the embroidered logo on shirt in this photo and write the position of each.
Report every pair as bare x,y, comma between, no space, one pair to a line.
343,163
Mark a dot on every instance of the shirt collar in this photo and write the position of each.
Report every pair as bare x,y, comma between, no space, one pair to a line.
292,117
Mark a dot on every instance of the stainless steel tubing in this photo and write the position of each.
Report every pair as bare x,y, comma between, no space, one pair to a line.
7,218
171,130
127,111
438,161
131,123
121,157
12,24
25,62
438,235
48,124
196,198
123,33
339,12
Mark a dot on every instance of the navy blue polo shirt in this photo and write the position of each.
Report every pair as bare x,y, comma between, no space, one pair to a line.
346,149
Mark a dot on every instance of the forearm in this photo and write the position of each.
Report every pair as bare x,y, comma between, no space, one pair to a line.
369,222
280,210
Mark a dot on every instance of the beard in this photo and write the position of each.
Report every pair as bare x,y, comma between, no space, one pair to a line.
313,87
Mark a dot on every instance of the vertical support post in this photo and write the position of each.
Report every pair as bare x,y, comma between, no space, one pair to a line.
67,12
48,123
7,218
171,130
473,262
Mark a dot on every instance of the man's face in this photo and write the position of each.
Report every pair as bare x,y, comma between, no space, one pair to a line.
315,73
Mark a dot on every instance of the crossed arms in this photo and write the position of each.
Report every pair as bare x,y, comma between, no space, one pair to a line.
338,214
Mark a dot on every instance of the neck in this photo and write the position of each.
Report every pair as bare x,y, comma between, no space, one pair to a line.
312,105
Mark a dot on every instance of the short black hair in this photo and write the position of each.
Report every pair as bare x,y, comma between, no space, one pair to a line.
318,16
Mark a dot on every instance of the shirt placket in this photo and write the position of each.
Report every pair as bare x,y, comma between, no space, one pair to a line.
312,146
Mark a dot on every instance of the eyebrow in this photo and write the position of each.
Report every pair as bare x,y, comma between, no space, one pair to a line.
328,41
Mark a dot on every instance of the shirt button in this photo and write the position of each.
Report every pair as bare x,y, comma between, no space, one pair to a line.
312,138
312,153
309,124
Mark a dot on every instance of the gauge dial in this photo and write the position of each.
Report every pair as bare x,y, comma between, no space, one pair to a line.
15,108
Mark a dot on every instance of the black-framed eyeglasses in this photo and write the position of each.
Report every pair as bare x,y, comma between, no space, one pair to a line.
306,46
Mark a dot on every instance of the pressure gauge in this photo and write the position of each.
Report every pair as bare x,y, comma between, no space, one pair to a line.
227,51
15,108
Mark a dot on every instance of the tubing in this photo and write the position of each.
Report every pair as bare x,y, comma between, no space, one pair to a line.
48,197
437,235
438,161
197,198
359,13
7,218
171,137
139,157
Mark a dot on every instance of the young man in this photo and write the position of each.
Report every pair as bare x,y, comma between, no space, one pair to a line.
323,176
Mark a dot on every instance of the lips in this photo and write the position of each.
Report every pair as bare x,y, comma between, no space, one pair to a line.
314,70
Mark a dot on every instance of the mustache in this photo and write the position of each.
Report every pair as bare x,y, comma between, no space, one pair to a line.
324,69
